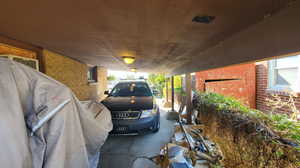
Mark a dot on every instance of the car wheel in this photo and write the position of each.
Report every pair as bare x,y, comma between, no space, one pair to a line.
157,126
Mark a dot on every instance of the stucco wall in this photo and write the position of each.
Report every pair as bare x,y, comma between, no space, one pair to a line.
74,75
237,81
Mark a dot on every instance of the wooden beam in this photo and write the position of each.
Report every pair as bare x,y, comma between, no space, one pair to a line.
188,84
167,103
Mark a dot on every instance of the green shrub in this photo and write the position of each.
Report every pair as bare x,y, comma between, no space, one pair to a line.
282,124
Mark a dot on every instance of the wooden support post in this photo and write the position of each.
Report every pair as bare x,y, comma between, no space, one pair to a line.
167,102
188,84
173,96
167,90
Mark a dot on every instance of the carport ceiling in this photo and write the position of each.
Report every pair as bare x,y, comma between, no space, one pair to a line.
159,33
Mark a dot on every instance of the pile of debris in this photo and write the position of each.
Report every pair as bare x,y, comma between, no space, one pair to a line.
188,149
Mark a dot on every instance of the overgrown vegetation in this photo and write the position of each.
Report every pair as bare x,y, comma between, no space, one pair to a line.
158,81
111,78
277,102
283,125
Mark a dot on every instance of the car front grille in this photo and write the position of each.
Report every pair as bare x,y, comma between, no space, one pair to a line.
125,114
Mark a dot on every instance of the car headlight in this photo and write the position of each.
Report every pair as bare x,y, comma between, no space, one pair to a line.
149,113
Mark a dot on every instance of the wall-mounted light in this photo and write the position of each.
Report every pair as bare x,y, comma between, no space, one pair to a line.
133,69
128,59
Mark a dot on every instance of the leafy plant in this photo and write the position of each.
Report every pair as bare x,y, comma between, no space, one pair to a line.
216,166
111,78
279,153
283,124
158,81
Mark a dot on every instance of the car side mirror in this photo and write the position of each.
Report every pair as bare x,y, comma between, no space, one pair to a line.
106,92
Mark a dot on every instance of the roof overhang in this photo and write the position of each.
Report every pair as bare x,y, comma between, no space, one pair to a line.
159,33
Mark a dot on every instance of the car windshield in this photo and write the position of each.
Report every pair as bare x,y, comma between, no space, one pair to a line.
138,89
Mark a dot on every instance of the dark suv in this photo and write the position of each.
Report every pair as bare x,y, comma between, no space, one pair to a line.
133,108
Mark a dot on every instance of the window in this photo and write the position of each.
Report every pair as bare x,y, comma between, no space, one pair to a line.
138,89
284,74
92,74
33,63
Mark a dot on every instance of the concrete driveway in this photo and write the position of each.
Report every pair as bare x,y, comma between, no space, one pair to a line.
122,151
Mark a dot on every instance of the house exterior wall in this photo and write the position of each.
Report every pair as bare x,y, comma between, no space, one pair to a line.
63,69
14,47
102,83
237,81
262,91
74,75
11,50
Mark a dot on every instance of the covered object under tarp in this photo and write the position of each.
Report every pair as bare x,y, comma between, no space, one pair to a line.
32,136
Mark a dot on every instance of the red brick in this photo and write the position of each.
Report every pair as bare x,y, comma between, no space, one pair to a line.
262,93
242,89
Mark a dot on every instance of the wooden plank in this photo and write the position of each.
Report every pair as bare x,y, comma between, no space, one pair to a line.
167,103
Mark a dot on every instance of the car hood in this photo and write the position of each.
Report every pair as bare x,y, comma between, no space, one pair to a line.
128,103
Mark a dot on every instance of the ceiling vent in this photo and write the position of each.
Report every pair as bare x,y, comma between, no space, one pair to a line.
204,19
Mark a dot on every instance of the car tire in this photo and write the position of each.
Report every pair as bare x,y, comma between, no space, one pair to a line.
157,125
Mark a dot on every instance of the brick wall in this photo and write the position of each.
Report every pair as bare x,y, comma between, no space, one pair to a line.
74,75
63,69
102,82
262,91
237,81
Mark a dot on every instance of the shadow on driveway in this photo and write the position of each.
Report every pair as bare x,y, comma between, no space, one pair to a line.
122,151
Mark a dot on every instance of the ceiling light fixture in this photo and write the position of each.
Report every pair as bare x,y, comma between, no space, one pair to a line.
133,69
128,59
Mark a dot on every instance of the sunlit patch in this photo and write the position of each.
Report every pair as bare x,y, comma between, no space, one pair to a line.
132,86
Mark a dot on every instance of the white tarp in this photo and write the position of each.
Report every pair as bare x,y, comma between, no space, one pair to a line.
70,139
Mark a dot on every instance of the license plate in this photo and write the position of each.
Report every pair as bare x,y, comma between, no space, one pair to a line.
121,129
